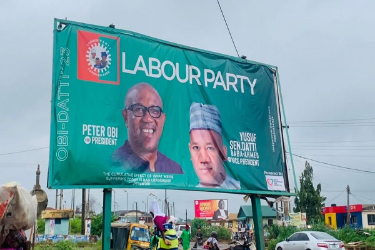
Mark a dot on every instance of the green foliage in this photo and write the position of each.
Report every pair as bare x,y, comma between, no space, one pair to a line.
198,223
41,226
68,245
97,224
83,244
320,226
272,244
63,245
44,246
223,233
206,229
346,234
370,241
309,199
285,232
75,225
98,245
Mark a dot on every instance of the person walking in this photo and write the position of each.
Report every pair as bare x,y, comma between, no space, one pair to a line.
185,236
160,219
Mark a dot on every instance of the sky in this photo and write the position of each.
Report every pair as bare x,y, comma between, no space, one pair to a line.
324,51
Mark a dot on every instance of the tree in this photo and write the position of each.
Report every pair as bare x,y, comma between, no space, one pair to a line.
97,224
75,225
308,198
41,226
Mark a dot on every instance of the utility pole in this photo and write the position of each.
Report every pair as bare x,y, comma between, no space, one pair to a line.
165,202
88,203
136,212
277,211
114,201
348,206
57,194
72,201
174,211
83,224
61,197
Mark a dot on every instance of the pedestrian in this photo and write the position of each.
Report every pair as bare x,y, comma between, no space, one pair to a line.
170,235
185,236
212,243
154,241
159,220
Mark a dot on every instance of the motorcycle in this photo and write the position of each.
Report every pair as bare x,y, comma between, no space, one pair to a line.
237,245
200,241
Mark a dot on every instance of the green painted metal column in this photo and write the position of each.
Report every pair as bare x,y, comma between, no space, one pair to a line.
258,225
107,214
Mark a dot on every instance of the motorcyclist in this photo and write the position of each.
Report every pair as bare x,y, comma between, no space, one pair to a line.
212,243
199,235
236,237
198,239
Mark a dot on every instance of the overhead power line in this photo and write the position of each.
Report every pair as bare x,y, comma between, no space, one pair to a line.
23,151
336,196
228,28
363,198
346,120
332,125
334,165
322,142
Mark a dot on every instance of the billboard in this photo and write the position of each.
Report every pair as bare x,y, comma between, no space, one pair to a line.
130,110
211,209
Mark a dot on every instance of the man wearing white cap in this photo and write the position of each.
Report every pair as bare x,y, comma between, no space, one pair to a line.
207,150
93,57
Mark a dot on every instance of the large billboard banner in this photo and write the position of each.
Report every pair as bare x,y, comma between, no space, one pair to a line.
129,110
211,209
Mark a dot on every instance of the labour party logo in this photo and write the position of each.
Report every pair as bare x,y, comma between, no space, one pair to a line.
98,57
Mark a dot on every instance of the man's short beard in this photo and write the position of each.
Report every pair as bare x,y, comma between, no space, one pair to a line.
138,146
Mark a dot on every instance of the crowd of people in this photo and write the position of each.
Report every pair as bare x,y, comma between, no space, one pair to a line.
165,235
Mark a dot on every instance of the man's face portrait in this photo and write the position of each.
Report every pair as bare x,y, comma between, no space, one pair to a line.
221,204
97,61
207,154
93,54
144,126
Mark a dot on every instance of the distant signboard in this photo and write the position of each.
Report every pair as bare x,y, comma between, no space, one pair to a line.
298,219
211,209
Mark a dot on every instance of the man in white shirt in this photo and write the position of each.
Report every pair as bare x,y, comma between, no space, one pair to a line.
207,150
221,213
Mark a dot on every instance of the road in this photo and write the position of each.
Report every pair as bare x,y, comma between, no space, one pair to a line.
221,246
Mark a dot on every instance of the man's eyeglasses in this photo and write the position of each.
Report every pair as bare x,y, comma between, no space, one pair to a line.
140,110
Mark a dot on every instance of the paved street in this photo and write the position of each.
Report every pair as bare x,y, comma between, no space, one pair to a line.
221,246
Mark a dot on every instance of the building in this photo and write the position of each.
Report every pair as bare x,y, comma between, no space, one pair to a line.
361,216
134,216
233,222
57,221
368,216
245,216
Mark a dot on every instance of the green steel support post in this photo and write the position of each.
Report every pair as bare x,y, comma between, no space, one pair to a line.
258,225
107,214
